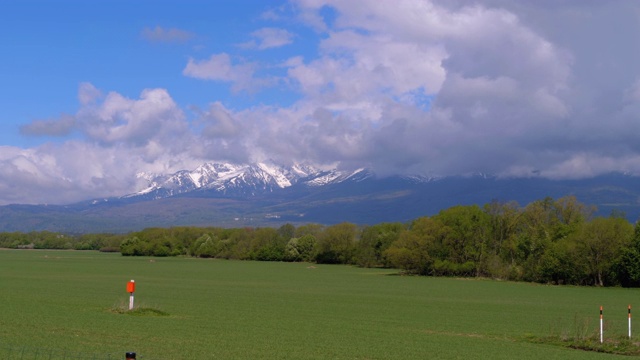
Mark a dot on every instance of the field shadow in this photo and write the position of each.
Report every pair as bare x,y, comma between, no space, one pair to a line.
140,311
123,309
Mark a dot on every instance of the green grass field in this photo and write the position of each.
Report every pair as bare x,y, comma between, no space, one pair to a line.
219,309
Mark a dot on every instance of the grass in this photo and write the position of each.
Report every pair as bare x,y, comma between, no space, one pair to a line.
216,309
585,335
138,310
617,346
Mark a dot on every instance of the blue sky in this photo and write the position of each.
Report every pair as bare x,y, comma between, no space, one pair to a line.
52,47
94,92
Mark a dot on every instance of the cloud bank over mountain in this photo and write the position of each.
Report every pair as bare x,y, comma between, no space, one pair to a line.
528,88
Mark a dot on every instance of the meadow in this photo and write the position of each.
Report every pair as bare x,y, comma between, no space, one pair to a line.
222,309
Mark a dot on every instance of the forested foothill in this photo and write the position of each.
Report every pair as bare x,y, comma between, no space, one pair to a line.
547,241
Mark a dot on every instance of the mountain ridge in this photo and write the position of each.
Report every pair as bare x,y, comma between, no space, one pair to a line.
238,195
239,179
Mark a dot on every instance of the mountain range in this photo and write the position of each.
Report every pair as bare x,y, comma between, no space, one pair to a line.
267,194
240,180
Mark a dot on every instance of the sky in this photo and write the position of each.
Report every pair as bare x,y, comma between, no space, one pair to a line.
94,92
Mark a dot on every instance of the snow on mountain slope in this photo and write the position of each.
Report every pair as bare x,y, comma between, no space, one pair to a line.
243,179
278,174
336,176
224,178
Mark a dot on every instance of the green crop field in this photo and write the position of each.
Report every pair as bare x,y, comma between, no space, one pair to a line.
217,309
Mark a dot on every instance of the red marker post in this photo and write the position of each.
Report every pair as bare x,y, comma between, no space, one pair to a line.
131,288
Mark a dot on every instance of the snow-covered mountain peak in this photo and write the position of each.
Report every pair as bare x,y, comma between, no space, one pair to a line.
226,178
278,174
251,179
244,179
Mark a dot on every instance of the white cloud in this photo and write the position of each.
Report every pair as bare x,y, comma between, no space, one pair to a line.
167,35
496,80
87,93
52,174
356,67
219,67
435,87
220,122
267,38
121,120
121,138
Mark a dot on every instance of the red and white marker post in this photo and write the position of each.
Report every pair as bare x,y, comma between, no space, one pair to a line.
601,335
131,288
629,321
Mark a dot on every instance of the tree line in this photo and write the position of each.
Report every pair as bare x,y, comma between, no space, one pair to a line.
61,241
547,241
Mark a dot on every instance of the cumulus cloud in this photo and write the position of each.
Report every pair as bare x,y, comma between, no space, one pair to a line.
69,172
431,87
119,138
461,87
427,88
170,35
219,67
267,38
118,119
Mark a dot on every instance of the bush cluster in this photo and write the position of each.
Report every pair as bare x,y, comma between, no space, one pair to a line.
61,241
